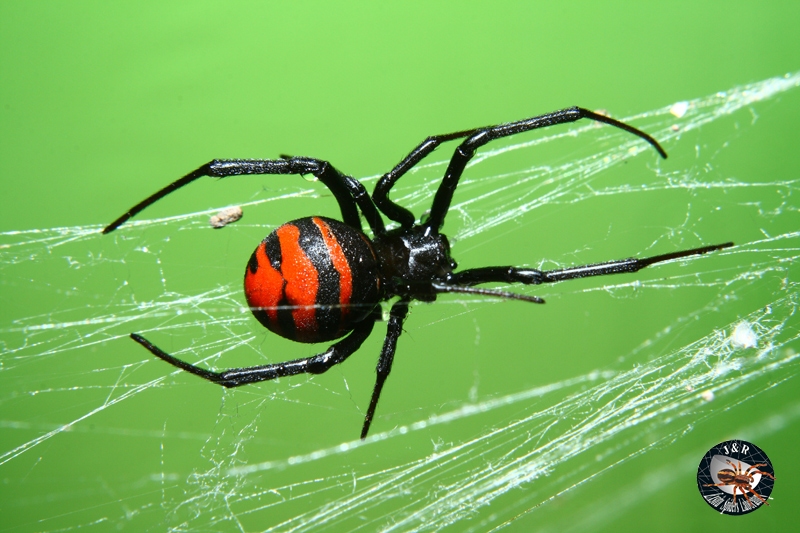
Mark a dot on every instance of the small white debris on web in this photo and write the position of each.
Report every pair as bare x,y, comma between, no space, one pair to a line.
707,395
679,109
675,127
743,336
225,217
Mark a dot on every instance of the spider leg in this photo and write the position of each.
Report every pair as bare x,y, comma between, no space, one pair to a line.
440,288
477,138
363,200
348,192
737,469
465,151
236,377
756,470
380,196
762,473
757,495
393,330
530,276
743,488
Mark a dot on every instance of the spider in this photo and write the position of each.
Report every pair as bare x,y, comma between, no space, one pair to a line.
741,480
316,279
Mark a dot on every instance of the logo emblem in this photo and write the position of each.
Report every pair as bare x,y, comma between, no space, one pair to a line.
735,477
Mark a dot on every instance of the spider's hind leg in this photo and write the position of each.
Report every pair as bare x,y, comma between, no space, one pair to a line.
236,377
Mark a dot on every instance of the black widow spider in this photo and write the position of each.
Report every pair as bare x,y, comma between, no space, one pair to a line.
316,279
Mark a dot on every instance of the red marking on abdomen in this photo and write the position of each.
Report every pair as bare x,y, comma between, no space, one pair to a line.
302,282
340,263
264,289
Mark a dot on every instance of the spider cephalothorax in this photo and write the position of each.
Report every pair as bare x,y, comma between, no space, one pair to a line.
317,279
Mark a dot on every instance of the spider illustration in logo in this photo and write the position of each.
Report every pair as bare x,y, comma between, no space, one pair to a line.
741,479
736,477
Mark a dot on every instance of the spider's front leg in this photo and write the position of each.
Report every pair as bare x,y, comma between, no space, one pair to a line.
530,276
754,470
466,150
476,138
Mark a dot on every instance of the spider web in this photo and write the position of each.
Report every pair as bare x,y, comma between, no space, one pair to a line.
70,376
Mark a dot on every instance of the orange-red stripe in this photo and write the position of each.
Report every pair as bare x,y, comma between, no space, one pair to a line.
340,263
264,289
302,282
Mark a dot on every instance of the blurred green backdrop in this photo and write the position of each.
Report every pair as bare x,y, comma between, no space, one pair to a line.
104,103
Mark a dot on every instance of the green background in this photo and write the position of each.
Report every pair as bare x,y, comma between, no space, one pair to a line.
103,103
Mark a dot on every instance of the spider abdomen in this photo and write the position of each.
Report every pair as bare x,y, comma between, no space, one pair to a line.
727,476
312,279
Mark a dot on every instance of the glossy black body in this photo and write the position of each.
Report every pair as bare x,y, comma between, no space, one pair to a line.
414,261
411,259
